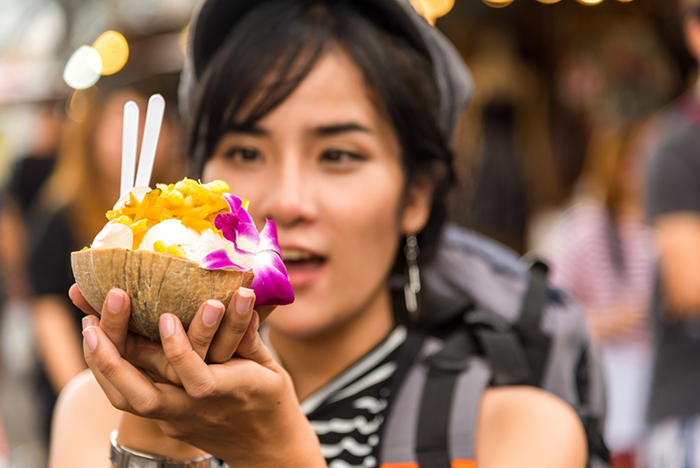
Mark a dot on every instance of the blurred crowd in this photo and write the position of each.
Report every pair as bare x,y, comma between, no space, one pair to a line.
581,147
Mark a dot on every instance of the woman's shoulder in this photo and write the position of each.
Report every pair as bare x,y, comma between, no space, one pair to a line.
527,426
83,419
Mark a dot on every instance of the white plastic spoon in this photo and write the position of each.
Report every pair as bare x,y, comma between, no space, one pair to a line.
130,136
151,133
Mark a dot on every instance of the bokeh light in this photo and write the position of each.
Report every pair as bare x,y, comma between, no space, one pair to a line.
589,2
432,9
549,2
498,3
437,8
113,50
83,68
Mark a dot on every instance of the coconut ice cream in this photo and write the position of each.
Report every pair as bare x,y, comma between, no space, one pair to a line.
175,246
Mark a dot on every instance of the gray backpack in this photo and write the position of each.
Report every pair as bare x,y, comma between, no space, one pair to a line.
491,320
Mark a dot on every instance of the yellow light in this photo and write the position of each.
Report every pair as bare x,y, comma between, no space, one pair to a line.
83,68
549,2
113,50
590,2
432,9
624,1
498,3
437,8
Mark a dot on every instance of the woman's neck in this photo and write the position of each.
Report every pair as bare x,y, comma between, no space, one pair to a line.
314,361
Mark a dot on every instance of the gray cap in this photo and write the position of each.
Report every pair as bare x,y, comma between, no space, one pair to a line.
213,20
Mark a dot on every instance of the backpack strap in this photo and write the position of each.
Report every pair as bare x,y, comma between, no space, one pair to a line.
535,341
535,297
517,352
500,344
436,404
446,380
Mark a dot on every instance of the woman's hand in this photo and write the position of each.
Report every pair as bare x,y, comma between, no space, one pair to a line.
617,322
243,410
211,338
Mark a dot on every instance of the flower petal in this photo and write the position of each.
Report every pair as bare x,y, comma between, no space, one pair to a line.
219,260
237,226
248,235
268,237
227,223
271,284
234,203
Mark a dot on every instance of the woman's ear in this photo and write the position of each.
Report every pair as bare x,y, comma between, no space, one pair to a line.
419,200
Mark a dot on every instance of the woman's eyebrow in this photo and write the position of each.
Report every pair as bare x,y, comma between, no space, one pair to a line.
330,130
252,130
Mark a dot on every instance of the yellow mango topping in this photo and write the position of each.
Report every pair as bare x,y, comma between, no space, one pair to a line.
176,250
175,198
125,220
195,204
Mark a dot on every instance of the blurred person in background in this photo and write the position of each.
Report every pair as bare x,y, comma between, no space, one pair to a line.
17,198
70,213
25,181
602,252
503,162
674,211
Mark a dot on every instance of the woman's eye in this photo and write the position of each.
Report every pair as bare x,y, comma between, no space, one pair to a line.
341,156
243,155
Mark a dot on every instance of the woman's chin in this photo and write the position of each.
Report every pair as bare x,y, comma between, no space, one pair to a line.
300,322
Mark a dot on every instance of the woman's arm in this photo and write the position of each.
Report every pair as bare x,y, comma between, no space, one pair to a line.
617,322
57,339
678,234
82,421
526,426
244,410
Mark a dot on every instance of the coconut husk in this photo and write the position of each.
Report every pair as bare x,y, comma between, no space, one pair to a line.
156,283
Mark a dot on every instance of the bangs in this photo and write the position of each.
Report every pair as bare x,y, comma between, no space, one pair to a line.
257,68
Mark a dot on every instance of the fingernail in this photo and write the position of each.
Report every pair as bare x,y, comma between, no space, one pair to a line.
244,300
212,313
90,338
167,326
115,302
86,321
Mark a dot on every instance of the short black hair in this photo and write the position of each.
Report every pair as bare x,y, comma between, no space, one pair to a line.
270,52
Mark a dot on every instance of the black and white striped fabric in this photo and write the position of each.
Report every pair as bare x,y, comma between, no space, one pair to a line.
347,414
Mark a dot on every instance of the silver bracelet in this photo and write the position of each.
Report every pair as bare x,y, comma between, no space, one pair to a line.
124,457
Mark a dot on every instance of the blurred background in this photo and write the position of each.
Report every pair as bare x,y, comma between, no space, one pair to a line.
573,99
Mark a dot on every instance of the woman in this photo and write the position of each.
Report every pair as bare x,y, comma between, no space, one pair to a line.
604,255
325,115
70,213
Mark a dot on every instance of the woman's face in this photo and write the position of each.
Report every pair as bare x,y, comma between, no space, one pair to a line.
326,167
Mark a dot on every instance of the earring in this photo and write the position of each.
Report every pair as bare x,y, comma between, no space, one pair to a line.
412,287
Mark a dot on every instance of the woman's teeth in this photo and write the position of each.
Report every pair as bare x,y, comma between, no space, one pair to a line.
296,255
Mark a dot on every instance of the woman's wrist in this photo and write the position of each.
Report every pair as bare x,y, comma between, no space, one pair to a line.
293,443
144,435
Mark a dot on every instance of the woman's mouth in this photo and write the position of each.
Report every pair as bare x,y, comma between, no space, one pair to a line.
303,267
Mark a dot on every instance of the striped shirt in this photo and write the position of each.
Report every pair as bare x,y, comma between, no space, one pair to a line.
604,265
348,413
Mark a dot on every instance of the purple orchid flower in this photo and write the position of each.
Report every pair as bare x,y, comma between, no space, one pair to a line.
259,250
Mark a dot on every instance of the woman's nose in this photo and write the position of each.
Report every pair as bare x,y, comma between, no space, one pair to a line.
290,199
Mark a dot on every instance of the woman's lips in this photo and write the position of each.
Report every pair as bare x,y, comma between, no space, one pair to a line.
303,267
